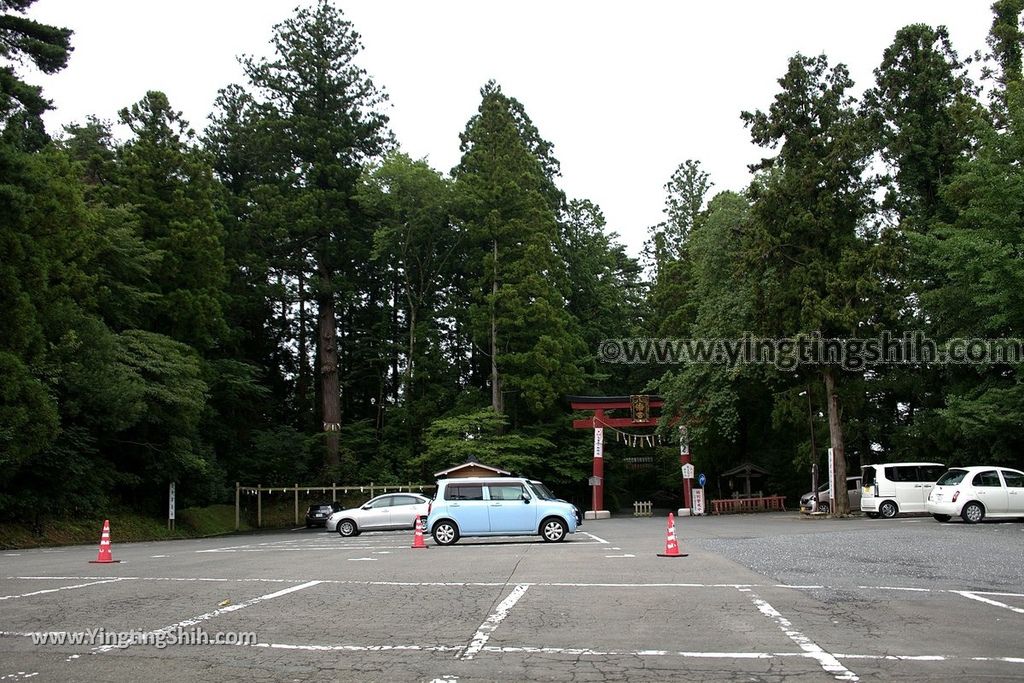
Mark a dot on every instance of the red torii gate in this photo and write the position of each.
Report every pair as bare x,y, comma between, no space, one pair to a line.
599,420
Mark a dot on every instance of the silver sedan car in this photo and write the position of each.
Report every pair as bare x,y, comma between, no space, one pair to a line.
389,511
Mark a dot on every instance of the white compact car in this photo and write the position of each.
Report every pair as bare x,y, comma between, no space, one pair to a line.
975,493
390,511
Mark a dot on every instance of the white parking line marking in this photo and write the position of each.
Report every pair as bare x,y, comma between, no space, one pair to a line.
827,660
901,658
210,615
625,555
362,559
587,652
596,538
54,590
156,556
491,623
987,601
1011,660
360,648
308,548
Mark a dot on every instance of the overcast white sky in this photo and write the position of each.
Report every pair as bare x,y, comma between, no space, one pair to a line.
625,91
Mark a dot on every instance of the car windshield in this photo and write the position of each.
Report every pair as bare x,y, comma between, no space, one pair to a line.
542,491
951,478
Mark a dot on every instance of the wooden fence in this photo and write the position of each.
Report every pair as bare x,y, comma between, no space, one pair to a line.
642,508
763,504
370,490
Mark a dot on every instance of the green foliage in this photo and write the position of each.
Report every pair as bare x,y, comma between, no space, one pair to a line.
177,308
47,48
516,310
480,436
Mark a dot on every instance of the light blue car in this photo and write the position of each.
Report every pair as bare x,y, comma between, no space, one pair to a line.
505,506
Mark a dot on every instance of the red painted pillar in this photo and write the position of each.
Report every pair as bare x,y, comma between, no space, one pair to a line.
598,501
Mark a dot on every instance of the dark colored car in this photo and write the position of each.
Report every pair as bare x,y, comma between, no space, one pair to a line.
317,514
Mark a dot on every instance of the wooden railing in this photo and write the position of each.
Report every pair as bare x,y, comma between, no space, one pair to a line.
642,508
371,489
763,504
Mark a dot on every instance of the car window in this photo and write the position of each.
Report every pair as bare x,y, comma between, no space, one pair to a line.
382,502
951,478
506,491
1013,479
930,473
464,492
869,476
404,500
987,478
905,473
541,491
852,484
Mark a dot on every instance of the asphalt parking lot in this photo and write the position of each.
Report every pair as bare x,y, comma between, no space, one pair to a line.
759,597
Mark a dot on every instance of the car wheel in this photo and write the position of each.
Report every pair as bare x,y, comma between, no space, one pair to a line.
973,512
445,533
941,518
824,507
553,530
888,509
347,527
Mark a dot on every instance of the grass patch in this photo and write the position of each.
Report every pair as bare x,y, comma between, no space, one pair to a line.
125,527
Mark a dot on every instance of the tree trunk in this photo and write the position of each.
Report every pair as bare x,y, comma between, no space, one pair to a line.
496,401
835,430
412,350
302,379
331,396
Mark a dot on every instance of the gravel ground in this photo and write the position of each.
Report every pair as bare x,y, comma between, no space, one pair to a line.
905,552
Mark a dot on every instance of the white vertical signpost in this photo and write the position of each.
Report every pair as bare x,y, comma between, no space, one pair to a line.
688,472
597,492
170,507
698,501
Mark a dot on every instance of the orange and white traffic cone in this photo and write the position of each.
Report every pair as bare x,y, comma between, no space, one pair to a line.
104,556
671,545
417,540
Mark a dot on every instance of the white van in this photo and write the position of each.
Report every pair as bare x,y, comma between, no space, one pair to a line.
891,488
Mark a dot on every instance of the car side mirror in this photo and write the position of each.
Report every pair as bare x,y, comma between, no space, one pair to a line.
367,507
526,497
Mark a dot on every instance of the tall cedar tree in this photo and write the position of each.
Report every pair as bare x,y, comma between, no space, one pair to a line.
28,416
322,111
811,259
978,254
923,118
517,313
